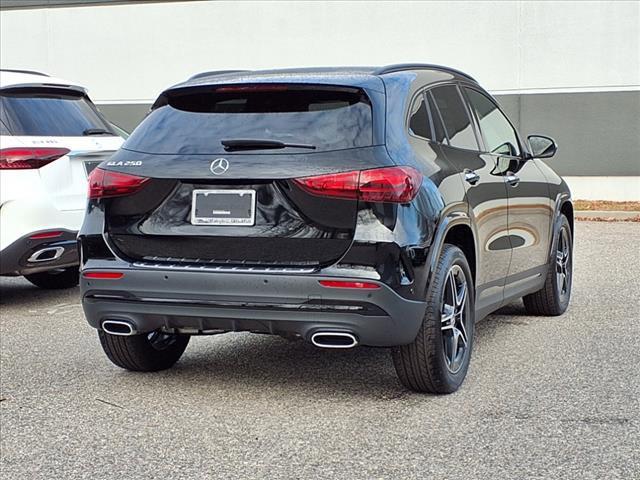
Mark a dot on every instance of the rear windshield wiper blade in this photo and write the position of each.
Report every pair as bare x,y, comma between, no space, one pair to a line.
96,131
260,144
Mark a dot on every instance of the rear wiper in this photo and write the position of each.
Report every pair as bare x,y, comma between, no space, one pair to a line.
96,131
260,144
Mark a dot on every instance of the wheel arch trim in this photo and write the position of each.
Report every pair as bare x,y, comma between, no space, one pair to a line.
446,224
562,199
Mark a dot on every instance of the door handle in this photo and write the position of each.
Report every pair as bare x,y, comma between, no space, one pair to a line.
471,176
512,179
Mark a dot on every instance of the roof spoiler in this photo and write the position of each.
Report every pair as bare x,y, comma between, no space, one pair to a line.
215,72
52,86
30,72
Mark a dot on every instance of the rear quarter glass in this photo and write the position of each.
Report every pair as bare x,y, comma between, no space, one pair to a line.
195,121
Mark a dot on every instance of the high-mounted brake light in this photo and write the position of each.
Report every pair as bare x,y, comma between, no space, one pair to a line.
29,158
104,184
102,275
251,88
348,284
390,184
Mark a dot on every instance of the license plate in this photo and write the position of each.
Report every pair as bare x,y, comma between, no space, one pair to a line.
223,207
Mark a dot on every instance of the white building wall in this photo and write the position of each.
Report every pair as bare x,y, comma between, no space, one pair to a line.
130,52
126,54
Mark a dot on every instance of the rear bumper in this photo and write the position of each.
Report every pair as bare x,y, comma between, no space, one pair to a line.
283,304
26,256
20,218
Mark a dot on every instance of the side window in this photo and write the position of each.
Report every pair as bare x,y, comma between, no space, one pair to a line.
436,121
499,136
455,117
418,120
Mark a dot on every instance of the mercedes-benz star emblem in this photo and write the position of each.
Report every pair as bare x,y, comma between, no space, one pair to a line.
219,166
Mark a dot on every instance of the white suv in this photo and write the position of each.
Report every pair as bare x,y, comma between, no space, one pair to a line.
51,137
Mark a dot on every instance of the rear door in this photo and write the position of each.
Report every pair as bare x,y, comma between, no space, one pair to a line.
486,194
530,210
224,166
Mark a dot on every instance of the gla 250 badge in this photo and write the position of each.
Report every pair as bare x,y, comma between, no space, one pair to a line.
219,166
128,163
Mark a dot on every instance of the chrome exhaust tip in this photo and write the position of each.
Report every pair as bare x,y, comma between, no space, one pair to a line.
118,327
334,340
46,254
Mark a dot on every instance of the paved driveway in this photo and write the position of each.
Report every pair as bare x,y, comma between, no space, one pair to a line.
545,397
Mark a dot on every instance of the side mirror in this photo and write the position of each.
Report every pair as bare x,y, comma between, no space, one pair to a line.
541,146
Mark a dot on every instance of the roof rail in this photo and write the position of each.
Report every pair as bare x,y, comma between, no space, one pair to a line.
419,66
31,72
215,72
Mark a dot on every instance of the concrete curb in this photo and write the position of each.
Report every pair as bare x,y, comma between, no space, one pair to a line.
599,214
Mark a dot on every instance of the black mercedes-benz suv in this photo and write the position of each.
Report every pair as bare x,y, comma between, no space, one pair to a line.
388,207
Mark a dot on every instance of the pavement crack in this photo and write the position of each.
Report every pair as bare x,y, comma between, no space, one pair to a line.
109,403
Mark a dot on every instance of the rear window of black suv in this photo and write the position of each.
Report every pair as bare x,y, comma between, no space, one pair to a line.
196,120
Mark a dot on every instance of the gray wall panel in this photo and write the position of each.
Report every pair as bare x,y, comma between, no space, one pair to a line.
598,133
126,116
511,106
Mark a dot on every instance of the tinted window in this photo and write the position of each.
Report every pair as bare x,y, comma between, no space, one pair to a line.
47,112
418,120
440,135
3,129
499,136
455,117
195,121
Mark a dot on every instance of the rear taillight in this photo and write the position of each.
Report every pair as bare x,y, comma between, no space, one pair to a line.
391,184
104,184
28,158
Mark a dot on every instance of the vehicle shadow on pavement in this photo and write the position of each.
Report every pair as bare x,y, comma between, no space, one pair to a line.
240,357
257,362
17,292
260,361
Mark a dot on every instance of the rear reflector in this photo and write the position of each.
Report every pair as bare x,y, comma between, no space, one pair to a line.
27,158
43,235
104,184
103,275
348,284
391,184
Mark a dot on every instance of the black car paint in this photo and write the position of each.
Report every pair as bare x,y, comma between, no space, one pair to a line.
506,229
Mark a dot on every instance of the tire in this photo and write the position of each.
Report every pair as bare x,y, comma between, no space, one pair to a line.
149,352
553,298
55,279
428,364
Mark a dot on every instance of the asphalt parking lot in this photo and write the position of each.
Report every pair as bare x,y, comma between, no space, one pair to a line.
545,397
